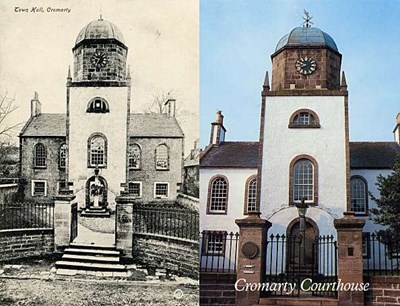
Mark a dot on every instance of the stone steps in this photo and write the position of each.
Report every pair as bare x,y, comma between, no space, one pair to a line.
89,257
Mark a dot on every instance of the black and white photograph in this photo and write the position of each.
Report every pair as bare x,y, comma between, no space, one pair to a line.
99,147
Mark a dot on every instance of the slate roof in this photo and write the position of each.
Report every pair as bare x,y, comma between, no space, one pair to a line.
45,125
373,155
363,155
240,154
141,125
154,125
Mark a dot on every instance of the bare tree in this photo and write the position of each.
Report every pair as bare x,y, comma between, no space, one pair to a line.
158,104
7,107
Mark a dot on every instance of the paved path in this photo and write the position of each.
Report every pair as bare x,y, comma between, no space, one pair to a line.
88,236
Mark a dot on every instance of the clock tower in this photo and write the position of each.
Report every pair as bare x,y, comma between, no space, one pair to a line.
98,104
304,135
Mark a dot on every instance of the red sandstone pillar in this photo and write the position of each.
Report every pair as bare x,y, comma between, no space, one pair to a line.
251,256
350,258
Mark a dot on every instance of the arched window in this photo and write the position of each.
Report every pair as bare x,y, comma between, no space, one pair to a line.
97,151
62,155
303,180
97,105
39,156
359,195
218,195
250,199
134,156
162,157
304,118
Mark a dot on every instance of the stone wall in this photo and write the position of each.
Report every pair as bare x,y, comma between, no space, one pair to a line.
21,243
217,288
188,201
180,256
7,189
384,290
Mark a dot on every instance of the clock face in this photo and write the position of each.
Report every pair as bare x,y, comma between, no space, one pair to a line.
99,59
306,65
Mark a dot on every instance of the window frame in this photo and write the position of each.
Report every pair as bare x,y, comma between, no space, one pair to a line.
35,157
247,193
105,108
210,192
140,189
89,151
33,182
64,145
205,250
364,181
366,242
293,125
314,163
158,168
155,188
130,145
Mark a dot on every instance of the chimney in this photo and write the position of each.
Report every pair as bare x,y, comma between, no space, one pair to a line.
170,106
36,106
217,130
396,130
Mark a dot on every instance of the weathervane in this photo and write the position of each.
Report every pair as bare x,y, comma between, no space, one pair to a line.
307,20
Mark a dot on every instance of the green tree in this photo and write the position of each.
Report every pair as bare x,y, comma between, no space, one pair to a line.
388,211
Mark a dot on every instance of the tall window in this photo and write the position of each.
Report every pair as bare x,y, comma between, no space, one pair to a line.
97,149
304,118
39,157
359,195
162,158
251,195
62,155
134,156
218,195
303,180
97,105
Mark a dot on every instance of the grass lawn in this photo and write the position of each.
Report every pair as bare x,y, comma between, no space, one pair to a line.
88,293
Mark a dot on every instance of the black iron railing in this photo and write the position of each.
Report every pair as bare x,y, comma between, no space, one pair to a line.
167,220
308,263
219,251
26,215
381,253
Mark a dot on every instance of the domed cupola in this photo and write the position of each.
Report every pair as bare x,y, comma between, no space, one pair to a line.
306,58
100,53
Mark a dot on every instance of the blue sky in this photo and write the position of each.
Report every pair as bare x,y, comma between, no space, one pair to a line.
238,37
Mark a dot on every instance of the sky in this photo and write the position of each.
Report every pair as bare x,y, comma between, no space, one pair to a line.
238,37
162,37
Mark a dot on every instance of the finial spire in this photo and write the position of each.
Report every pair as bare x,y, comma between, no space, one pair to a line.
307,20
343,84
101,15
69,73
128,74
266,81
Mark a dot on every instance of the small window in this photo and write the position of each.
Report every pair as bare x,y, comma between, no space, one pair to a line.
359,195
97,151
162,157
218,195
251,195
214,243
135,189
366,245
39,157
62,156
161,190
39,188
62,185
304,118
134,156
97,105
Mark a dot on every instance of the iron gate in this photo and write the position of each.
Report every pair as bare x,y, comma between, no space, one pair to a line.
301,266
74,221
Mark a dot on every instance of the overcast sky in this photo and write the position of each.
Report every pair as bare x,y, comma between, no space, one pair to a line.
238,37
162,37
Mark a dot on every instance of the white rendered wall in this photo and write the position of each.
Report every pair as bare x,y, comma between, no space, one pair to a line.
327,145
237,180
112,125
371,176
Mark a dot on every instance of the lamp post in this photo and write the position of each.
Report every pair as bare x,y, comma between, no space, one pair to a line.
302,210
